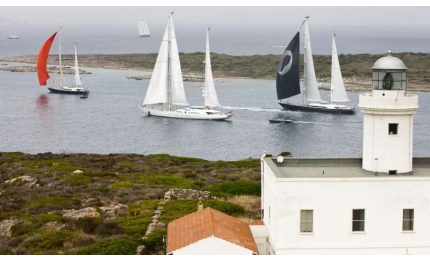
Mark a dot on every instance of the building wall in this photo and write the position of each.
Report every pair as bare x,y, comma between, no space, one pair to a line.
269,205
212,246
383,152
259,233
332,201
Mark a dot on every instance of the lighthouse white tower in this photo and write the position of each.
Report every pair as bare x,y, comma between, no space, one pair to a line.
388,119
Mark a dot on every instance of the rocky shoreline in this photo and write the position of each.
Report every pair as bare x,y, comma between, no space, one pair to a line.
51,69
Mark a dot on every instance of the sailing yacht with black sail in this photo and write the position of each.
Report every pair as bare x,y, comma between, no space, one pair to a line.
165,96
42,72
288,79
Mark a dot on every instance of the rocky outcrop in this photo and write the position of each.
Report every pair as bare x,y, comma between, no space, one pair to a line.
80,213
177,193
6,225
114,209
24,180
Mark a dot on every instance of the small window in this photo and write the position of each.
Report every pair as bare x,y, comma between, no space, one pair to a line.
306,221
392,129
408,220
358,220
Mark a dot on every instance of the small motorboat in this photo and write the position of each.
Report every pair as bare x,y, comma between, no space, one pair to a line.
280,120
85,95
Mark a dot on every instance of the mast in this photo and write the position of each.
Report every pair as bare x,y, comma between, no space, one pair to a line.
62,80
169,64
304,59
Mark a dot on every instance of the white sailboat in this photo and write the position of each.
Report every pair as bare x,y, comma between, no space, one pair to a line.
13,35
43,75
288,85
143,28
166,95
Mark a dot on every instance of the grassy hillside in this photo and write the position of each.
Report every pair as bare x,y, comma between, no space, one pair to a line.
121,191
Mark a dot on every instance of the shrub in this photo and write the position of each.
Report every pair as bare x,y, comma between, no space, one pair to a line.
119,185
155,240
109,227
89,224
45,218
235,188
23,228
135,226
118,246
168,181
48,241
79,180
176,209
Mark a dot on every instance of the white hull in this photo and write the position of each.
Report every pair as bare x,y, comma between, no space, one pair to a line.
188,113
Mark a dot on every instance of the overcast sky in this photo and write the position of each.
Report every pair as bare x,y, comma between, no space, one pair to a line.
266,15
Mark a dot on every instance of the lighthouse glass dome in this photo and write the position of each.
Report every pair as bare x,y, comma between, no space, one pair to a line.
389,73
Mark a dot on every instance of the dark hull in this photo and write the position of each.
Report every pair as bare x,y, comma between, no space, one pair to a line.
61,91
306,108
280,121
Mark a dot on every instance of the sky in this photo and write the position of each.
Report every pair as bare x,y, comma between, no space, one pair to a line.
218,12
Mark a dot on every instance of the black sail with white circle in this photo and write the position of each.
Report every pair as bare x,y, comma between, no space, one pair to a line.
287,79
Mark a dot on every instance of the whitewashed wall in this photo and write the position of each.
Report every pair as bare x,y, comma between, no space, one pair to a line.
212,246
333,200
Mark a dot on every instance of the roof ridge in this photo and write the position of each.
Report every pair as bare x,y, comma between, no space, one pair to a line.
211,224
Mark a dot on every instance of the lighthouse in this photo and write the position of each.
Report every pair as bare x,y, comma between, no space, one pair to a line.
388,114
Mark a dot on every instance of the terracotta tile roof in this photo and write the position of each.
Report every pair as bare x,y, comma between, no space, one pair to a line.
209,222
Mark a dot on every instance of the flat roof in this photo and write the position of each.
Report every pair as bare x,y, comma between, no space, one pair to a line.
293,167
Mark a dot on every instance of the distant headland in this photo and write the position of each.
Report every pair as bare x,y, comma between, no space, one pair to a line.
356,69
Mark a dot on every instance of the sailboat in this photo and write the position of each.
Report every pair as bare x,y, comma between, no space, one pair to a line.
42,72
288,80
166,95
143,28
13,35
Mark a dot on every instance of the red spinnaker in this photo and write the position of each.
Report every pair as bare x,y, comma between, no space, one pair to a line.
42,60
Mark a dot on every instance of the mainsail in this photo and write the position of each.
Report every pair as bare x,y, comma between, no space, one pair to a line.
211,97
338,93
287,78
166,84
310,81
42,60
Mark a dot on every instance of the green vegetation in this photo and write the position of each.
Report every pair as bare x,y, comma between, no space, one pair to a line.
235,188
118,246
136,184
253,66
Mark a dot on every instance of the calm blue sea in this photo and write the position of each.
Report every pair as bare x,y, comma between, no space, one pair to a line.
32,120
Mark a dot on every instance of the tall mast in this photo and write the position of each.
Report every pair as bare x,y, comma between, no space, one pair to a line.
169,64
304,58
62,80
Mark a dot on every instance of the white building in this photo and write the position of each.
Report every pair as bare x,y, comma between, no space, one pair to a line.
210,232
377,204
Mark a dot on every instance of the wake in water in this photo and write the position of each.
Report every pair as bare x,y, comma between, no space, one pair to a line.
258,109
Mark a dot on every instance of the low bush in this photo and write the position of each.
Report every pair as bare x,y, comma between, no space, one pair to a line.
235,188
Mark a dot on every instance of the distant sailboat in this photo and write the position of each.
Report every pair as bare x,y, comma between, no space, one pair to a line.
42,72
338,92
13,35
143,28
288,81
166,94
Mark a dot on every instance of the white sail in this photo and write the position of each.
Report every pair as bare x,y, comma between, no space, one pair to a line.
157,92
211,98
338,93
143,28
310,81
177,91
77,76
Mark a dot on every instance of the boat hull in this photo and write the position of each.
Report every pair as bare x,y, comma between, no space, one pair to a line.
68,91
187,114
307,108
280,121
